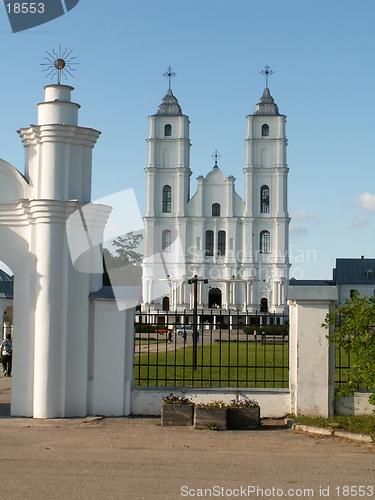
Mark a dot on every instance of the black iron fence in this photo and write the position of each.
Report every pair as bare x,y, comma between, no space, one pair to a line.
233,349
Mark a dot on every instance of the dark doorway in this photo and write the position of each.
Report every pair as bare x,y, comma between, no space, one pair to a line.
166,304
214,298
264,305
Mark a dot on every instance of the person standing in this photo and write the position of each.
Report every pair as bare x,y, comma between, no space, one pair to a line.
6,354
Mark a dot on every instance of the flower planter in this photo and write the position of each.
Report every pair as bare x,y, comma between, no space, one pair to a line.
210,418
243,418
177,414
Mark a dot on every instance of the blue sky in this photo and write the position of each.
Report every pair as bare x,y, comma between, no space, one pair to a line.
322,55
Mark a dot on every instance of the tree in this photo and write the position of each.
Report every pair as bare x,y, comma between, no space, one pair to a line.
354,332
123,267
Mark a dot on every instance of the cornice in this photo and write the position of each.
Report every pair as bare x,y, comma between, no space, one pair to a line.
68,134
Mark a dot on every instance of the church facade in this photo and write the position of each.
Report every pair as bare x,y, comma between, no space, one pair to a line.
238,248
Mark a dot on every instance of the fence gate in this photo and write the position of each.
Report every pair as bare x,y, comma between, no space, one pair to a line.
233,350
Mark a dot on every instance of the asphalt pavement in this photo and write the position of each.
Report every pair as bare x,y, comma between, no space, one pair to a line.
136,458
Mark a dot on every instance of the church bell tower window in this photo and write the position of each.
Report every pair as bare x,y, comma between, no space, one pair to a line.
209,243
166,241
168,130
265,130
221,242
264,242
264,200
167,199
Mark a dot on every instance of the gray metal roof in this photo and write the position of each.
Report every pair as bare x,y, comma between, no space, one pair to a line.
311,282
6,285
266,105
169,106
354,271
126,293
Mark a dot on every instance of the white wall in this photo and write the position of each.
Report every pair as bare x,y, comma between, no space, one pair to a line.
111,357
273,402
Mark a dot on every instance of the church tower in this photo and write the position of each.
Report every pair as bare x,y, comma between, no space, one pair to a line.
266,212
167,180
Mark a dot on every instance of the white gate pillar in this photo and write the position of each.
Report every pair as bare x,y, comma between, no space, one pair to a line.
312,360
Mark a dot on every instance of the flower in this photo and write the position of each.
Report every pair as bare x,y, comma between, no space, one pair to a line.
213,404
243,403
174,400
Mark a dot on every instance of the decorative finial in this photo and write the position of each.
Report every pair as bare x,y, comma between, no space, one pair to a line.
266,71
59,64
169,74
216,156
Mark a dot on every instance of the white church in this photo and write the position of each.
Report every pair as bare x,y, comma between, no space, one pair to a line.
238,248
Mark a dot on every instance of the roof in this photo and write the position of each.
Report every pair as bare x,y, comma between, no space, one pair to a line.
354,271
266,105
127,293
169,106
6,285
294,282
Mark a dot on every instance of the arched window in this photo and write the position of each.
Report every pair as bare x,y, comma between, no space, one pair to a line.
166,304
216,210
167,199
221,243
168,130
263,306
209,243
264,200
166,243
265,130
264,242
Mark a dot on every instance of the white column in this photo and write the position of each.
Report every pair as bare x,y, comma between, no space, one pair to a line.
200,293
312,360
227,295
49,377
275,293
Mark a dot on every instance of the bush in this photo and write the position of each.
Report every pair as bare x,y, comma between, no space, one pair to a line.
277,330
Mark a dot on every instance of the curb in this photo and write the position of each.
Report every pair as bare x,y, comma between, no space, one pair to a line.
324,431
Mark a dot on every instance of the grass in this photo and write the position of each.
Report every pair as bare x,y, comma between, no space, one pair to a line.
151,340
221,364
362,424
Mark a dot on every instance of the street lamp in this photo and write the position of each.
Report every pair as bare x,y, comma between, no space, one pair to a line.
194,281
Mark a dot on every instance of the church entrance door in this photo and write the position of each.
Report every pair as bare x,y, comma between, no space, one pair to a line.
214,298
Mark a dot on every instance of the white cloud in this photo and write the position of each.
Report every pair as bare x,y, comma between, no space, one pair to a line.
367,202
360,222
297,230
302,215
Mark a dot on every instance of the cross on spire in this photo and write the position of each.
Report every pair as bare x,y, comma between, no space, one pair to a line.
216,156
266,72
169,74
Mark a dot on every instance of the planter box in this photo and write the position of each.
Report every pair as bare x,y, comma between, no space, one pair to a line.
177,414
204,417
243,418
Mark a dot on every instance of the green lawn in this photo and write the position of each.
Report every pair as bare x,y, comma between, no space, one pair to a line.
221,364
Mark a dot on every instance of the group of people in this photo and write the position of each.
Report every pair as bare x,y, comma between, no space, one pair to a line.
6,355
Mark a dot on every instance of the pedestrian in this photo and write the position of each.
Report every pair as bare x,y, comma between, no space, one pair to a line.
255,335
6,355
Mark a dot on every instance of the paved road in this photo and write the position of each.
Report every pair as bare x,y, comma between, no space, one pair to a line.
132,458
137,459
